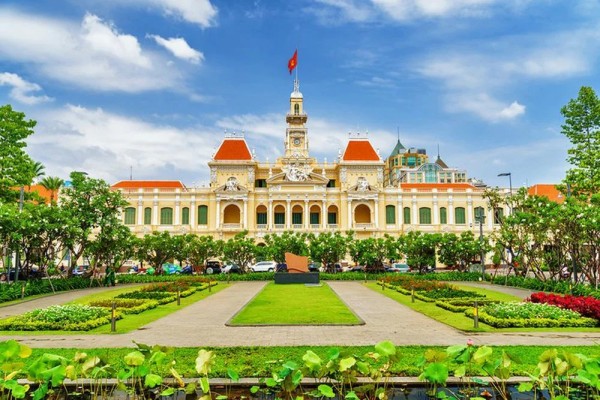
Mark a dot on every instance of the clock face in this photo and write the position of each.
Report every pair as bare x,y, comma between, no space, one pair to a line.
296,142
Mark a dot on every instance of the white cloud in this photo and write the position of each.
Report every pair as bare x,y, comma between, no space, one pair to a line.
179,48
93,55
78,138
22,89
484,106
199,12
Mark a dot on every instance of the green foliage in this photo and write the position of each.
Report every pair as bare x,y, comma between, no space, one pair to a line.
534,322
327,247
157,248
160,297
70,317
126,306
286,242
419,249
240,249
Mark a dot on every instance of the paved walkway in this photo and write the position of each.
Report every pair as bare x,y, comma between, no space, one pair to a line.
203,324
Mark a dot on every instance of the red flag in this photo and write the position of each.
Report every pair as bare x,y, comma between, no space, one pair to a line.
293,62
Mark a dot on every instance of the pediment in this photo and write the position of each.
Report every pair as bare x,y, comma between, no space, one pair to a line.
310,178
231,187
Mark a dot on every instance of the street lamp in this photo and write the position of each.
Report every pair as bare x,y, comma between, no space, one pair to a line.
18,255
480,217
509,184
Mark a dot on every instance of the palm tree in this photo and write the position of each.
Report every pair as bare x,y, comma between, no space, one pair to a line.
53,184
38,170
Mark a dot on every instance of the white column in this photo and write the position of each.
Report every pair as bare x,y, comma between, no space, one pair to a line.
288,214
306,214
324,215
193,219
177,219
376,213
245,214
270,216
400,212
470,221
218,215
140,212
415,211
350,224
155,208
450,209
436,209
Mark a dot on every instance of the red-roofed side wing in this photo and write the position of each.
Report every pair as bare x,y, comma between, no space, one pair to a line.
148,185
233,149
360,150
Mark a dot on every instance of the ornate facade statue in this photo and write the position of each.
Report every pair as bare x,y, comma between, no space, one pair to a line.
232,185
362,185
295,173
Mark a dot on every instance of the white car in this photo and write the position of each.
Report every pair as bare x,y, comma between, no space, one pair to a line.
264,266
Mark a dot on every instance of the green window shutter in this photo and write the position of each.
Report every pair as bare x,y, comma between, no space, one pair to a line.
443,215
479,212
202,215
459,215
147,216
185,216
406,215
261,218
279,218
314,218
425,216
166,216
297,218
390,214
332,218
130,216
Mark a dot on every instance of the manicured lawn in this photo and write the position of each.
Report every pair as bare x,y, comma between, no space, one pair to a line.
129,322
295,304
262,361
461,321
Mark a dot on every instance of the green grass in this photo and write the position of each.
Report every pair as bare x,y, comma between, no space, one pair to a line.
295,304
262,361
461,321
129,322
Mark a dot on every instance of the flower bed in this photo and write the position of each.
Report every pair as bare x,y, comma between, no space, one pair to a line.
126,306
160,297
584,305
69,317
514,314
460,305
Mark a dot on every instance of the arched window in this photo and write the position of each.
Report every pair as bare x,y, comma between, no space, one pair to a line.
185,216
425,216
390,214
147,216
459,215
130,216
406,215
261,215
443,215
296,109
166,216
498,215
202,215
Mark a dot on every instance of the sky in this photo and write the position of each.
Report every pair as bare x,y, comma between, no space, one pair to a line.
148,88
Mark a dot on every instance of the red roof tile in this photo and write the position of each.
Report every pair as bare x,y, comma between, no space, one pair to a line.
233,149
148,184
360,150
547,190
439,186
42,191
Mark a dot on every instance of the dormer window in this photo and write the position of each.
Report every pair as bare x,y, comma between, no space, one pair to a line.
296,109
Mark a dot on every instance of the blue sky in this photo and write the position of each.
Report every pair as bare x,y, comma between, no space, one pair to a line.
153,84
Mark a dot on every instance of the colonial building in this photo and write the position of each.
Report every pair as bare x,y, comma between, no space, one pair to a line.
297,193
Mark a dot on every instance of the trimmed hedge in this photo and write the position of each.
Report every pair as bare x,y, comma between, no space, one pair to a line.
59,318
531,322
126,306
460,305
585,305
160,297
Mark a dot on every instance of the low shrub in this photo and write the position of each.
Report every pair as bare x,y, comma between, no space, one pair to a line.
534,322
450,293
126,306
160,297
70,317
525,310
462,304
584,305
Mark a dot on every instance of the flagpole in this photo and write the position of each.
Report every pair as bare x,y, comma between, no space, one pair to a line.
297,66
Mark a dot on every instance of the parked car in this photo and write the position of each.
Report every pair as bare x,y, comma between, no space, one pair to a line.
264,266
231,269
398,267
356,268
281,267
212,267
313,267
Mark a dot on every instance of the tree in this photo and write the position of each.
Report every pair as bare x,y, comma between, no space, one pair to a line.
419,249
287,242
461,251
156,249
111,246
199,249
38,170
371,253
240,249
582,128
53,184
93,205
16,167
328,248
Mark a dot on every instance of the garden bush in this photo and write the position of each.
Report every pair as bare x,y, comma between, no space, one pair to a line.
462,304
525,314
160,297
584,305
126,306
70,317
451,293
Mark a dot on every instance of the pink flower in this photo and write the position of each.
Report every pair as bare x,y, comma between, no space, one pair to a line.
470,342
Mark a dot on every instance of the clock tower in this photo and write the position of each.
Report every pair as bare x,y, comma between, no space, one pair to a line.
296,140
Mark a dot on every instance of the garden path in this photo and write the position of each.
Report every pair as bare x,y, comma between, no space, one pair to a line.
203,324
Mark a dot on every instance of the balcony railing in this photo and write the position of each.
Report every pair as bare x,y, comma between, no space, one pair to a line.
279,226
332,226
363,225
297,226
232,226
315,226
261,227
